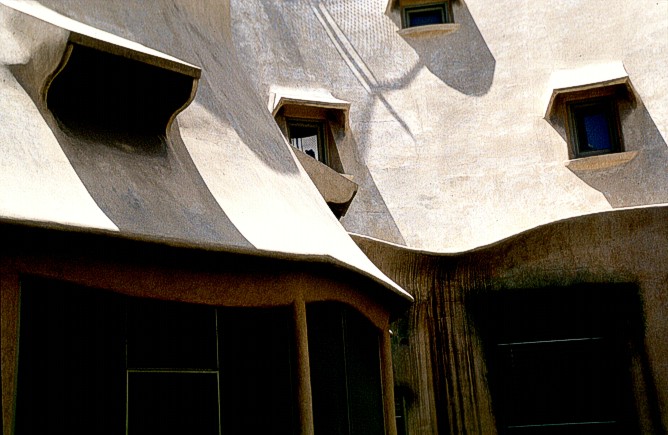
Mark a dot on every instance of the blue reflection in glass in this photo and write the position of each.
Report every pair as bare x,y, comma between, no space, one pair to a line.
425,17
597,131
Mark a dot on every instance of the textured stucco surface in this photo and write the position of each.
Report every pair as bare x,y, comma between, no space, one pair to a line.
228,177
447,137
443,365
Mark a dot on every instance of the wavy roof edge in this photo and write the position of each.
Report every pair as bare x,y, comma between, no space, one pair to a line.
659,208
92,37
382,280
347,256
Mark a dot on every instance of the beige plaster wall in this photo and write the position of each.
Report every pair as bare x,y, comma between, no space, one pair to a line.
227,178
442,362
447,138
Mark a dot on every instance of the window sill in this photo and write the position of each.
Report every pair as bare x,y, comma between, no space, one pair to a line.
430,29
601,162
337,189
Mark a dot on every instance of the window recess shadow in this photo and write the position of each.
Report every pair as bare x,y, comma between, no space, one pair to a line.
124,103
642,180
114,118
462,60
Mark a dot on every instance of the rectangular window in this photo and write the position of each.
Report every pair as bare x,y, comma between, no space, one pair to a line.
594,127
96,362
423,15
557,360
309,137
344,357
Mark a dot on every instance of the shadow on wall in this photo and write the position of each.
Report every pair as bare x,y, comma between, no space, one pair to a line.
381,61
368,203
641,180
461,59
111,117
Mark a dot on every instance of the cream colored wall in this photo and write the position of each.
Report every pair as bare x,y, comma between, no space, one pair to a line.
447,137
225,148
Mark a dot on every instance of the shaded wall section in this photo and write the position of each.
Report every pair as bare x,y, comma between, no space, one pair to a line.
221,173
440,360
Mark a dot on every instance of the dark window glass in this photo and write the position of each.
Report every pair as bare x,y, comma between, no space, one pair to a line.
596,127
93,361
400,411
172,403
425,15
171,335
597,130
560,382
308,136
71,376
257,375
345,371
557,360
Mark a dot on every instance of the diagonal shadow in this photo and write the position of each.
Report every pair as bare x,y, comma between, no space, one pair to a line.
639,181
461,59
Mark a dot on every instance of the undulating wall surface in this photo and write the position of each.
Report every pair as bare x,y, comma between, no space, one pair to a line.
447,133
440,363
223,173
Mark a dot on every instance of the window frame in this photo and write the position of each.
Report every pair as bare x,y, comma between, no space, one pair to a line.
444,6
576,133
321,125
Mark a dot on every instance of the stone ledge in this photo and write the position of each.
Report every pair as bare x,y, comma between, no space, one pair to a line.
601,162
442,29
338,190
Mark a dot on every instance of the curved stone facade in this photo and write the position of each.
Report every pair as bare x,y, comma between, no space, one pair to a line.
447,137
501,165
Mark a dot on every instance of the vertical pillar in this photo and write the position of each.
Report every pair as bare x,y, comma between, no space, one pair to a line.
388,383
303,369
9,325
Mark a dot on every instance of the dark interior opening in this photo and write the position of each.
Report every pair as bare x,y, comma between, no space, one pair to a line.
596,126
109,99
559,360
345,371
96,362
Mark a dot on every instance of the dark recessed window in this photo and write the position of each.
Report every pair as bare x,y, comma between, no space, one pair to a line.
117,101
424,15
344,356
309,137
594,127
558,359
96,362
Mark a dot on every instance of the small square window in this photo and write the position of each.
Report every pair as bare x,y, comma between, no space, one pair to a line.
309,137
594,127
423,15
